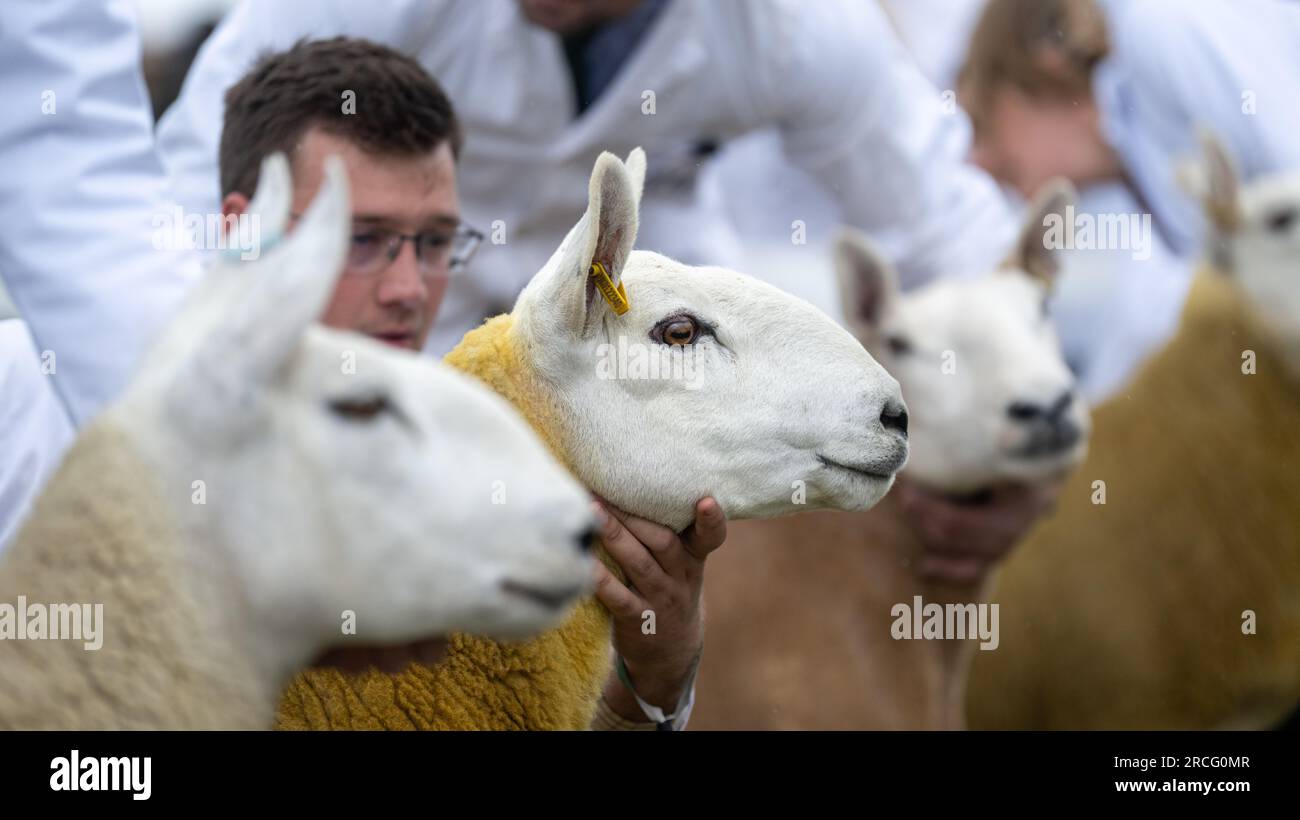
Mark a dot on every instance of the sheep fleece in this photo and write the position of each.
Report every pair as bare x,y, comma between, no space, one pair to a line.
552,681
100,532
1128,615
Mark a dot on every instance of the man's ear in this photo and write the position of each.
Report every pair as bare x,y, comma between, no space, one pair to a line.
604,235
276,296
233,205
868,284
1051,209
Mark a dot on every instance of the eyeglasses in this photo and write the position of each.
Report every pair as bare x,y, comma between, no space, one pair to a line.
437,252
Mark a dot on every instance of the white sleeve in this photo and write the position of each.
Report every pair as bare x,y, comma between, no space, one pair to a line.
80,193
857,114
34,431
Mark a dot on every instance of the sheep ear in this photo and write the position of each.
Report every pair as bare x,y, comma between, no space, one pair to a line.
1035,252
636,171
604,235
868,284
274,298
1218,188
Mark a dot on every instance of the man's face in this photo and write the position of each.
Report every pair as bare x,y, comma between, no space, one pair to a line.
398,303
1026,142
573,16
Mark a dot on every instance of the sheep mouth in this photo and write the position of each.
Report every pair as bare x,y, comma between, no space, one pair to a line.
872,473
1049,443
546,598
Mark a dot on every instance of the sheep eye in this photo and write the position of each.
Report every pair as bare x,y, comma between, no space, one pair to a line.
679,331
898,345
1282,221
366,409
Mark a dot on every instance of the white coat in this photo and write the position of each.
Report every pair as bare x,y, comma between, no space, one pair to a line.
78,196
81,190
852,110
1180,66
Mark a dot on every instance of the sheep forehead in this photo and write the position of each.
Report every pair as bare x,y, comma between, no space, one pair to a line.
981,314
656,283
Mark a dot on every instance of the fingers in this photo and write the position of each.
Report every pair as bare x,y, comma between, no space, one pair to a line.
655,537
709,530
642,569
958,538
618,599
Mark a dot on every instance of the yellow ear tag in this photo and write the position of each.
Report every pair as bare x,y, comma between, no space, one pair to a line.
616,296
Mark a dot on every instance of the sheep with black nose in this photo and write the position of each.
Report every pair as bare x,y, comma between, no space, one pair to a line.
1165,591
811,617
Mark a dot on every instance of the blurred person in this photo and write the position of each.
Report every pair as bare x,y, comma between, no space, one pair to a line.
1114,93
1105,91
78,201
81,187
936,33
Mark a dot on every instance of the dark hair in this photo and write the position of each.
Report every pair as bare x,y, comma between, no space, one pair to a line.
1046,49
396,108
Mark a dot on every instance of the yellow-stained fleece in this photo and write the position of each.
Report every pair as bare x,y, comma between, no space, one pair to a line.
550,682
1129,614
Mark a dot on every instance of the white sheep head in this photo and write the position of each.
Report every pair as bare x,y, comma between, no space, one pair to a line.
339,474
763,401
978,358
1255,239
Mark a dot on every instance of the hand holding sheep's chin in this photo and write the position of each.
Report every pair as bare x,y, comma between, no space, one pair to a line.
665,575
962,540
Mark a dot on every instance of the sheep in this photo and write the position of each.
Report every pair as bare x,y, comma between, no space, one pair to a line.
261,483
802,611
1175,604
768,400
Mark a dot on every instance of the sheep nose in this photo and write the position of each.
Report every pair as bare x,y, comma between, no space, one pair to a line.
586,540
1062,404
1025,411
894,417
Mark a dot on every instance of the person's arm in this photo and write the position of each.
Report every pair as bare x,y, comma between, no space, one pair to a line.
80,194
658,615
33,428
856,113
